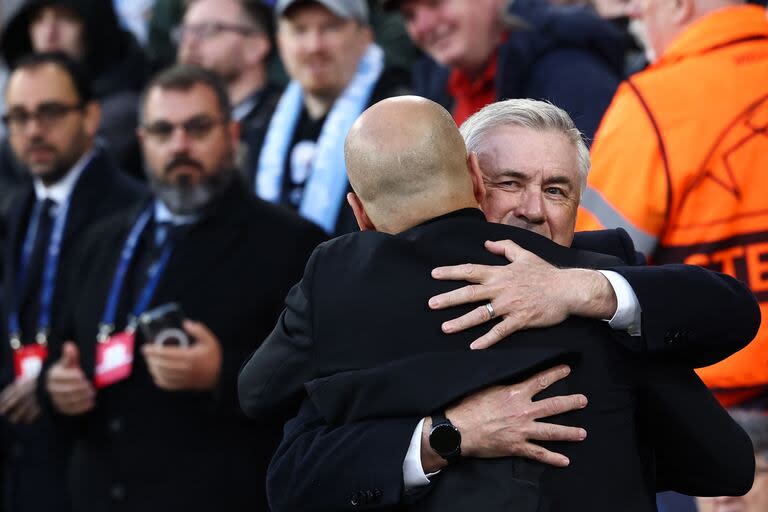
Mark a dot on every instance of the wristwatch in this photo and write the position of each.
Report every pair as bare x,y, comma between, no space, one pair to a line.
445,438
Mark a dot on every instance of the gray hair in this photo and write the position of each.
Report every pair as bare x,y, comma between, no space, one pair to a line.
755,423
527,113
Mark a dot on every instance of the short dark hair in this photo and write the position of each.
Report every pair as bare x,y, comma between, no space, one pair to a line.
76,71
183,77
260,14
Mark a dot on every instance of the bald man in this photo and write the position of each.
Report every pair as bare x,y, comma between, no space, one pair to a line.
342,333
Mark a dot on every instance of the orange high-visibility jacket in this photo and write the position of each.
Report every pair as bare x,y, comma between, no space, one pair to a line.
681,162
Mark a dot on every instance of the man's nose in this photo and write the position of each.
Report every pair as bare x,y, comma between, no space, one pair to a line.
179,141
313,41
33,128
531,207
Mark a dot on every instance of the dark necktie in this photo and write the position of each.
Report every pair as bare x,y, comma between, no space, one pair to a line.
32,267
32,270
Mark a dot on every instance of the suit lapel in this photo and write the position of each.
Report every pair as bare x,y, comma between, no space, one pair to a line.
203,247
90,188
17,232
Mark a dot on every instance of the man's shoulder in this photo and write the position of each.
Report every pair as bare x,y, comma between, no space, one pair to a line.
102,181
614,242
262,215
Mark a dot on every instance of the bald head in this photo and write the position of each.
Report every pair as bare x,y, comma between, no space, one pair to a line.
407,163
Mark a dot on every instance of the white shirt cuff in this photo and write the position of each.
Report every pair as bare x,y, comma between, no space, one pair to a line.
413,472
628,312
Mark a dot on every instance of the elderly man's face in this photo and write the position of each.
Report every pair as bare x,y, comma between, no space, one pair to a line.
456,33
189,147
532,181
57,28
320,50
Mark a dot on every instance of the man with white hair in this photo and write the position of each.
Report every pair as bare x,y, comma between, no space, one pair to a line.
539,178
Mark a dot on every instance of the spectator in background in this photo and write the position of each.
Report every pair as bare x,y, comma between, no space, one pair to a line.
134,15
477,55
755,422
679,159
88,30
12,176
336,72
617,12
232,38
167,433
51,119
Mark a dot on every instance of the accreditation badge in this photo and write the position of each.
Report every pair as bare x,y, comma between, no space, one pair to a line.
114,359
28,361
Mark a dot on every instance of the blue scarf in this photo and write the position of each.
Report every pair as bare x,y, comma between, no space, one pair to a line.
327,183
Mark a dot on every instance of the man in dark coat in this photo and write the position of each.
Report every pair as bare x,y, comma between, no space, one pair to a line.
477,54
89,31
311,340
161,428
52,120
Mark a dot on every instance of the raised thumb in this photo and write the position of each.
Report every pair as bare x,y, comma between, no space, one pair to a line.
70,355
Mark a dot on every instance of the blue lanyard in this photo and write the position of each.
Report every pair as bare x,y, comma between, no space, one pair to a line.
50,271
107,325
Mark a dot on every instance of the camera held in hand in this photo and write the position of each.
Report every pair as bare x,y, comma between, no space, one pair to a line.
163,326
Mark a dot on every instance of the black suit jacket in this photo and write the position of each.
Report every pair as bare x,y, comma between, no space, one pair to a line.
143,448
37,456
391,276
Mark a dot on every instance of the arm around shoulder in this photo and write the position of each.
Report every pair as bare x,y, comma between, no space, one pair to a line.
277,370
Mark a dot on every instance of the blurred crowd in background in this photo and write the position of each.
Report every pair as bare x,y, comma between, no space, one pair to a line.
295,76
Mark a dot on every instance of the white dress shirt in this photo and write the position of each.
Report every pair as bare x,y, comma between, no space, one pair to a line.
60,191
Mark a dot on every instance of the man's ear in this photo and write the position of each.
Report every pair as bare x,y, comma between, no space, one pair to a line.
92,117
478,185
257,52
233,131
362,217
683,11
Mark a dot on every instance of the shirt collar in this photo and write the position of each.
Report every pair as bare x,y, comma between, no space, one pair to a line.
242,109
163,214
60,191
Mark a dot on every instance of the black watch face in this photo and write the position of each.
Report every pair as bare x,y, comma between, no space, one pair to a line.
445,440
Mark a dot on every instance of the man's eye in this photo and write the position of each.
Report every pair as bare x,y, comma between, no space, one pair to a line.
554,191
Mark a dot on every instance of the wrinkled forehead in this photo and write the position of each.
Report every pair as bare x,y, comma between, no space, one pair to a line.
532,154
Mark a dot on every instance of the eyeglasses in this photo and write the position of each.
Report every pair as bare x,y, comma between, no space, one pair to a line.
208,30
46,115
196,128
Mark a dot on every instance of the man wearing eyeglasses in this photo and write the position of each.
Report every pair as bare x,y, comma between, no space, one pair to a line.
89,32
232,39
51,119
164,431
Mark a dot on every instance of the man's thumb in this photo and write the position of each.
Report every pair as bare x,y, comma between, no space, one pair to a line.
70,355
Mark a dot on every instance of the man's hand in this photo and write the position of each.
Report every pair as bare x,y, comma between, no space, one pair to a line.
19,403
501,421
71,392
529,292
186,368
